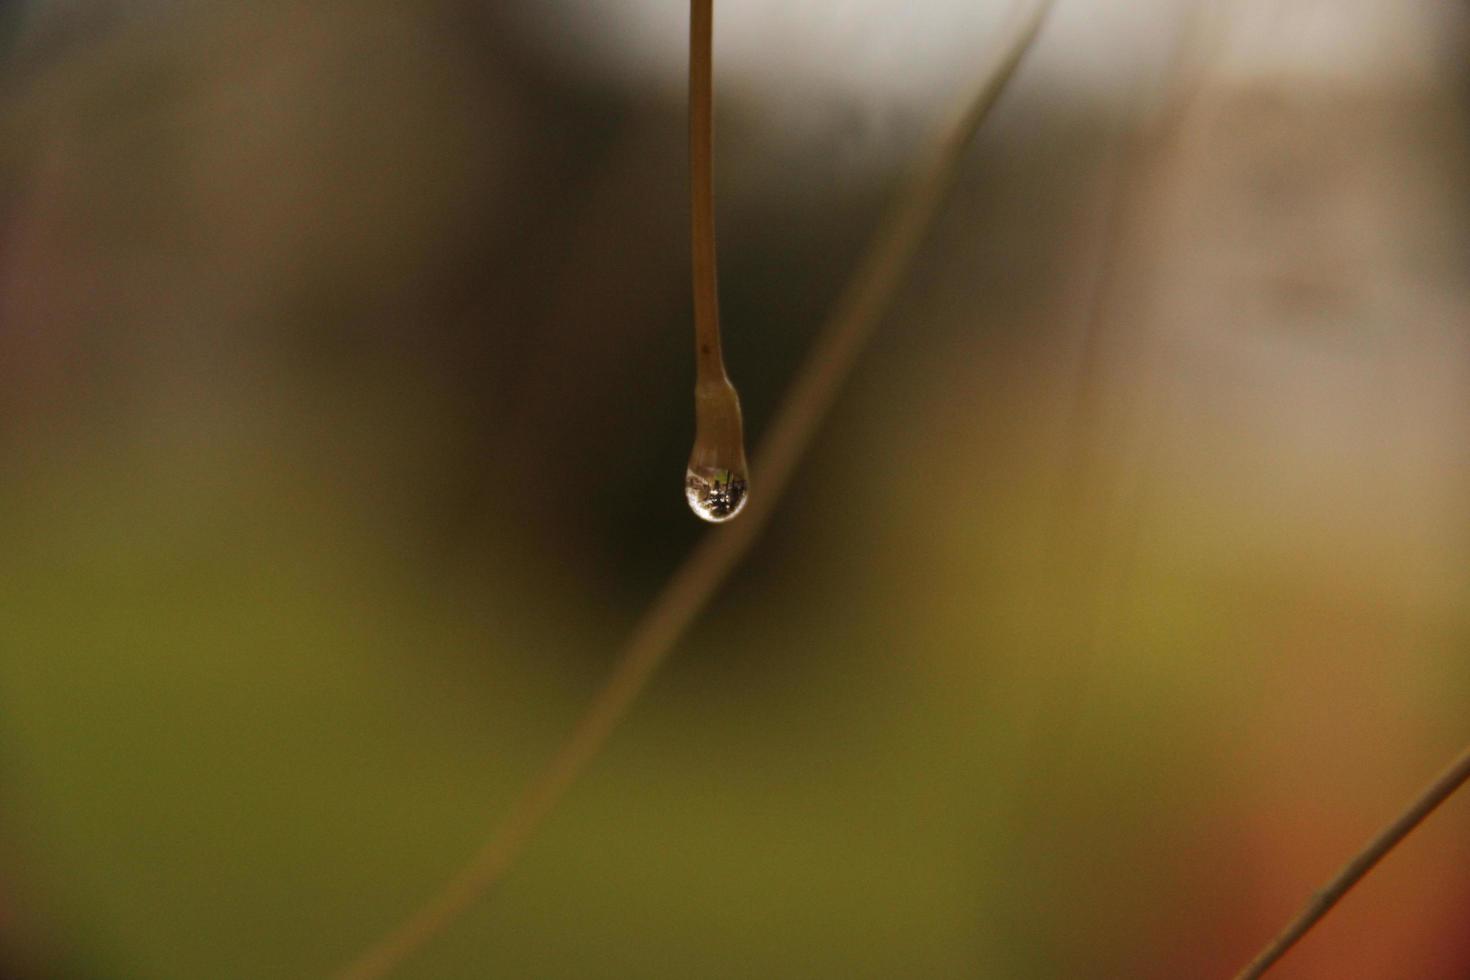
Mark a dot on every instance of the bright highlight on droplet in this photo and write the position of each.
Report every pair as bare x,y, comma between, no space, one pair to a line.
714,494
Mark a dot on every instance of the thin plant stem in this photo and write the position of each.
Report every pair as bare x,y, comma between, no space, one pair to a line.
716,481
709,360
690,588
1353,872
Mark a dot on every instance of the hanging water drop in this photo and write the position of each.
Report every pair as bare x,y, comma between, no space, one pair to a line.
716,480
714,494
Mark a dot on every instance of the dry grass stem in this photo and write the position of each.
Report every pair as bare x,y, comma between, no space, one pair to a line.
1353,872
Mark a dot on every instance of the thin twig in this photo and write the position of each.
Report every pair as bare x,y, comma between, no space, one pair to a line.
717,480
708,361
1423,805
695,581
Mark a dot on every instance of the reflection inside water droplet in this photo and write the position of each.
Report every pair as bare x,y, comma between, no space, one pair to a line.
714,494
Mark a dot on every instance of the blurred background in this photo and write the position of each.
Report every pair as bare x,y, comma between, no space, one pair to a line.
344,403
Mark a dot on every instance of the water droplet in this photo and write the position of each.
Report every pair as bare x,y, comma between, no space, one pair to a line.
715,494
715,481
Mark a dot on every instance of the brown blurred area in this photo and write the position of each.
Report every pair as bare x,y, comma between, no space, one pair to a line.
344,399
